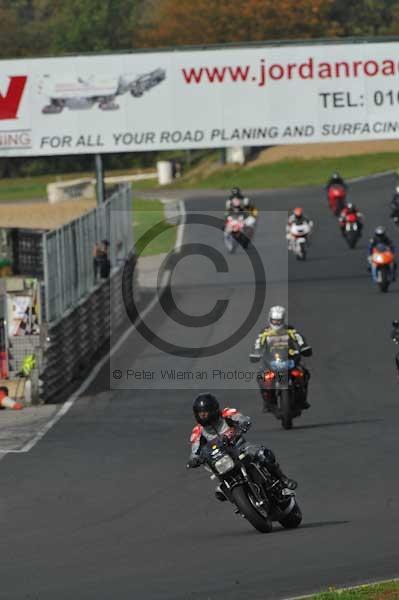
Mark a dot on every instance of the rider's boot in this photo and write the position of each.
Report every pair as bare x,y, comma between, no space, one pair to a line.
275,470
268,403
220,495
267,457
304,392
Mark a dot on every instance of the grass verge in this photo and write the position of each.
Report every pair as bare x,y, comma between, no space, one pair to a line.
380,591
284,173
292,173
29,188
148,214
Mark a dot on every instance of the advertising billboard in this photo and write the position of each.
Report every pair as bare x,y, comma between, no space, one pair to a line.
259,95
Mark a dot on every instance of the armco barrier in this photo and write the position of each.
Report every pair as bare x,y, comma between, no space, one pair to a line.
73,341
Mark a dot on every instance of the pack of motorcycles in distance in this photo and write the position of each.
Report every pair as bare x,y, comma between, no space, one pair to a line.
240,227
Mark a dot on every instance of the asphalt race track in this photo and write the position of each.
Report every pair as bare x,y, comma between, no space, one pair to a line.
103,506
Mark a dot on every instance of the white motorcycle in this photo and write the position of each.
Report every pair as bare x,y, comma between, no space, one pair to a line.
238,230
298,238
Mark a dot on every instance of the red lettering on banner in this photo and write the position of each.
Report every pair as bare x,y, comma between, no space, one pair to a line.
373,71
388,67
342,69
356,65
306,69
325,70
9,103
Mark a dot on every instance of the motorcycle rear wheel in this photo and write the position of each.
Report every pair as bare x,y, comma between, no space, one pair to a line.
245,506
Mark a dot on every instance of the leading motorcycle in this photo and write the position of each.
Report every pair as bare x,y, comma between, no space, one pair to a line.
336,195
248,485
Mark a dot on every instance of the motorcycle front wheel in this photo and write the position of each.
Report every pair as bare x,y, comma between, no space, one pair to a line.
247,508
285,409
385,281
230,242
351,239
293,519
301,255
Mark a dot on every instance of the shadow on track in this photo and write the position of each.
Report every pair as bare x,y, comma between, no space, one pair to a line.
317,524
277,529
337,423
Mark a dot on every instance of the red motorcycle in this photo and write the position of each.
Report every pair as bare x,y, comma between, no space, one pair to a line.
336,195
351,228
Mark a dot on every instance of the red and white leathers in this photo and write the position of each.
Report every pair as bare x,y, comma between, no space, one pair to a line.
294,221
229,418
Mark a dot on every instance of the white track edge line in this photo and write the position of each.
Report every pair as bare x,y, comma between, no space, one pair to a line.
180,227
345,588
374,176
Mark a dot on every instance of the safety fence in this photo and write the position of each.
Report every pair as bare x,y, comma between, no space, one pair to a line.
79,299
69,273
73,341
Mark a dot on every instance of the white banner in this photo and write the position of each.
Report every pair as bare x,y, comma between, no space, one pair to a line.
201,98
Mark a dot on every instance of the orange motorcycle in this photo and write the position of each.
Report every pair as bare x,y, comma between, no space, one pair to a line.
382,266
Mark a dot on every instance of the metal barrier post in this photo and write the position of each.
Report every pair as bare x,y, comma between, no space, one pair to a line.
99,179
46,277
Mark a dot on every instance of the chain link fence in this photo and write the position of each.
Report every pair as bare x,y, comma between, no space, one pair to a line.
68,261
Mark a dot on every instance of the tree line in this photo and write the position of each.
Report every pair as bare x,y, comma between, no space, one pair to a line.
33,28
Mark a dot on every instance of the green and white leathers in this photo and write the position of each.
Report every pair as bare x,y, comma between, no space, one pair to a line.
279,335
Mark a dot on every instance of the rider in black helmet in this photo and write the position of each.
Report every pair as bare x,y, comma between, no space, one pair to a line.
237,200
336,179
380,237
212,421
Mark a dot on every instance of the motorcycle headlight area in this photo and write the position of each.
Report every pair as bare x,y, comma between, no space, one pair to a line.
282,365
224,464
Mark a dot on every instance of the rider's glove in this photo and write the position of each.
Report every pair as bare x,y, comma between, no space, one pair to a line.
194,462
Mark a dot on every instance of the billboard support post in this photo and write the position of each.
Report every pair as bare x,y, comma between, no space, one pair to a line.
99,179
